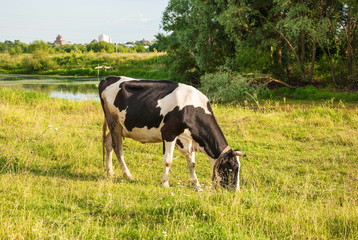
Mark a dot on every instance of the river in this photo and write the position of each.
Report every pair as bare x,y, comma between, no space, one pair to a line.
72,88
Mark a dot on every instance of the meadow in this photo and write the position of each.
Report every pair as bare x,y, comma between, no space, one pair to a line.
299,180
140,65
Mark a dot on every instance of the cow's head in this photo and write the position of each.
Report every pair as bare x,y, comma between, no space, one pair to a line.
226,172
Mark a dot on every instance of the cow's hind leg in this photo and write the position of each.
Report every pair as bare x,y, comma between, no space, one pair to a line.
167,160
185,148
117,143
109,151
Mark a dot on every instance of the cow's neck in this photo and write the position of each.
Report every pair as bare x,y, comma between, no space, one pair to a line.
216,145
211,139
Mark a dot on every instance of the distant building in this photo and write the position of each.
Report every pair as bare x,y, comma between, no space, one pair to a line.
59,40
104,38
129,44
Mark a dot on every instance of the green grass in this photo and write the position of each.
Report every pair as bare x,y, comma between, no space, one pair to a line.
140,65
312,93
299,180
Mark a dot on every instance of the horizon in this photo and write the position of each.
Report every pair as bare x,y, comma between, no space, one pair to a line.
69,42
82,22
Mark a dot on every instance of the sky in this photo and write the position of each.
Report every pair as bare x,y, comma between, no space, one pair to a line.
80,21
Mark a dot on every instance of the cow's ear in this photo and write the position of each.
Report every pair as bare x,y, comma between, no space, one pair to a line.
238,153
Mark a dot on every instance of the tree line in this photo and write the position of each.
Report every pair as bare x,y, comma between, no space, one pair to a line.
17,47
296,41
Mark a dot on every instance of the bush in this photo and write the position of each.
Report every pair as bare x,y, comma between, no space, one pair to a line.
225,86
38,61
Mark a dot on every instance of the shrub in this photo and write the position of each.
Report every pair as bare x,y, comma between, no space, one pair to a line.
38,61
225,86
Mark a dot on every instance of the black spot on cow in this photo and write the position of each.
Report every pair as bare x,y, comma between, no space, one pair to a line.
180,144
173,125
140,100
202,126
205,130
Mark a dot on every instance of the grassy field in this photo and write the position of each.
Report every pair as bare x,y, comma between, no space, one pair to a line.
141,65
299,180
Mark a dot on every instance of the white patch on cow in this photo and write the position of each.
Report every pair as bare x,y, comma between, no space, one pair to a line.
167,160
238,175
186,137
144,135
182,96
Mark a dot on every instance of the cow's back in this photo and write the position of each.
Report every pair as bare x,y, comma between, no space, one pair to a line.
153,111
134,102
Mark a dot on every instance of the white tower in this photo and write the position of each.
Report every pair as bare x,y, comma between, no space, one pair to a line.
104,38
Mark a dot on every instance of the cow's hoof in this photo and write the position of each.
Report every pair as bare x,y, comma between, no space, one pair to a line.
165,184
129,177
195,184
198,188
111,177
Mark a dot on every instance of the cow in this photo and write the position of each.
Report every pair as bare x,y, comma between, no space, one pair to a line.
173,113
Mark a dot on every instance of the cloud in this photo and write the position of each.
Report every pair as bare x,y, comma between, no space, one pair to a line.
144,19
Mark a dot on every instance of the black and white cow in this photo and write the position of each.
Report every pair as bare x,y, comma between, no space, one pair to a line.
151,111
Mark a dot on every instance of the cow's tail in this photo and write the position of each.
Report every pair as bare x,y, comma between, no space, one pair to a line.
104,130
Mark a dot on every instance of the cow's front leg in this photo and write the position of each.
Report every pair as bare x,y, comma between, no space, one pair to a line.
190,158
185,147
167,160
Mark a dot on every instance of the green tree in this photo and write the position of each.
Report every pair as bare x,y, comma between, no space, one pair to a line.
101,47
13,48
198,33
38,46
291,40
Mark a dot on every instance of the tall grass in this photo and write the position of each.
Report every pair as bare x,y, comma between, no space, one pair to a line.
299,180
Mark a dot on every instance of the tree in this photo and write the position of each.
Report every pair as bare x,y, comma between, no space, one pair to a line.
14,48
101,47
292,40
38,45
198,33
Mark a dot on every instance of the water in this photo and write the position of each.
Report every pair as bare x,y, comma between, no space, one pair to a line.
72,88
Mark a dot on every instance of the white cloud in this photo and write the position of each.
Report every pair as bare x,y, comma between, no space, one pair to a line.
144,19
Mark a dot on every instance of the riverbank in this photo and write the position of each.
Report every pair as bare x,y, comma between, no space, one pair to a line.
138,65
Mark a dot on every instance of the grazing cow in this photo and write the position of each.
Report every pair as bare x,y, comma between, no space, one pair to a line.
176,114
